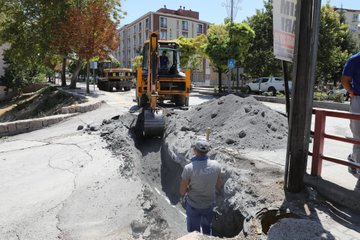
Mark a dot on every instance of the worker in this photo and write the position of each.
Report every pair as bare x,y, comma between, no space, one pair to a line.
351,81
164,60
200,180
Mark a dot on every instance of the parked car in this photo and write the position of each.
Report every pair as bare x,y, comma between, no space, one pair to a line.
267,84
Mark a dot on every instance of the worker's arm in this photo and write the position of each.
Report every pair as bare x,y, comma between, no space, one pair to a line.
346,82
183,186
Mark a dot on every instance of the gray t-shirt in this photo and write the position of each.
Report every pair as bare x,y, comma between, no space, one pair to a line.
203,176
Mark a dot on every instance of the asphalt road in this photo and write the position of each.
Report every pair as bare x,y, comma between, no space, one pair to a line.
60,182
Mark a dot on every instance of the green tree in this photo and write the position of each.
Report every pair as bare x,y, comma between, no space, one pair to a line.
219,46
137,62
260,59
191,52
335,46
29,26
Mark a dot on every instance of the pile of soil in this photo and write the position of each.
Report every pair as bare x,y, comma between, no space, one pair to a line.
238,125
44,102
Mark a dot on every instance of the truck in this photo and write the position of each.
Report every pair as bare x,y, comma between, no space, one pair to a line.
159,79
267,84
118,78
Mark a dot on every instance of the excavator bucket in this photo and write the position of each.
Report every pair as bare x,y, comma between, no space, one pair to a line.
154,123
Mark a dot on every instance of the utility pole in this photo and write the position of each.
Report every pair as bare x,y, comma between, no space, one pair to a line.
231,8
230,57
306,46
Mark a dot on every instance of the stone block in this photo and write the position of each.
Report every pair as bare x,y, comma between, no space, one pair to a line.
22,126
3,130
11,127
36,124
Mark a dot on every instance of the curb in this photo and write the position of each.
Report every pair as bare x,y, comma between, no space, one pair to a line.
334,193
28,125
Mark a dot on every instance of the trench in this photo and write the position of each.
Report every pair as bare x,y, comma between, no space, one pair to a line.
163,173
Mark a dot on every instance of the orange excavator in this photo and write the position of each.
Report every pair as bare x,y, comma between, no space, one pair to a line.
160,79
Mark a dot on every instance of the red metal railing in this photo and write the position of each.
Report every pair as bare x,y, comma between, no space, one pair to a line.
319,138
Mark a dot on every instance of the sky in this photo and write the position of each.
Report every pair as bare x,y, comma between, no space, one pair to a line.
212,11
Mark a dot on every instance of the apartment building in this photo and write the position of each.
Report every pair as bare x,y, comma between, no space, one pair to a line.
171,24
352,18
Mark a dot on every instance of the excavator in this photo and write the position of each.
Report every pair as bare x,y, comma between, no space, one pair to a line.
159,79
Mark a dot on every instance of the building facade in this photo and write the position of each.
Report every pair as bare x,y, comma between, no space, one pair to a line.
352,18
171,24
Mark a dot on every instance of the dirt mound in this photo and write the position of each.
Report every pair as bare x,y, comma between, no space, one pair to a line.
45,102
237,125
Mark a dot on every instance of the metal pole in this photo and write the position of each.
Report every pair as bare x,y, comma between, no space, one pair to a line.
230,55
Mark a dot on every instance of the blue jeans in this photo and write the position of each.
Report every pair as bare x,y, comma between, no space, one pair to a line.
196,218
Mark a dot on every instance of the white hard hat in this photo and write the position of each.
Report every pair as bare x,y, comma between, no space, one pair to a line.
202,145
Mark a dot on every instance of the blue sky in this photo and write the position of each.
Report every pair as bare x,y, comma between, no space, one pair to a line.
211,11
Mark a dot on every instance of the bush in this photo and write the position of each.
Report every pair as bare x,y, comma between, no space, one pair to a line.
320,96
336,96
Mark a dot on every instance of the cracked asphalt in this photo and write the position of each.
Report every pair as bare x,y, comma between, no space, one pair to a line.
62,183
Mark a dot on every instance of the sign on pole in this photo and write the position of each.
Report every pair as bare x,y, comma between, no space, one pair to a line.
93,65
284,24
231,63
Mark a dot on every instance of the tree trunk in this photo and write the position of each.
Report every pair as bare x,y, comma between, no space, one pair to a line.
87,77
220,80
63,74
75,74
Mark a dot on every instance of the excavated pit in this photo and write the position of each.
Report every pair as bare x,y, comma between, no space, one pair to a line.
227,222
238,126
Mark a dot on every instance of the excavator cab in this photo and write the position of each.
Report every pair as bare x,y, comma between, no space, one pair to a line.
159,79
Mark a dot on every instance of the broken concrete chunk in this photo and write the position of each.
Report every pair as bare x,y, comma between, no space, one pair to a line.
137,226
229,141
214,114
80,127
242,134
92,128
106,121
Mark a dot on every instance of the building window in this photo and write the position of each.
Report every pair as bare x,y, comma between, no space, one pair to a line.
185,25
146,34
163,22
355,17
185,34
147,25
200,28
134,29
163,34
140,39
140,26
